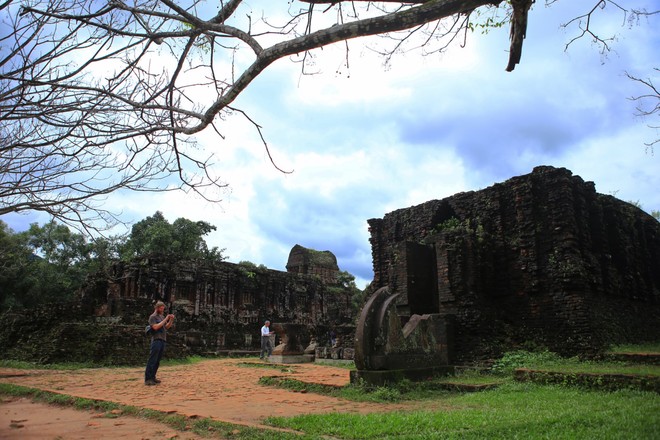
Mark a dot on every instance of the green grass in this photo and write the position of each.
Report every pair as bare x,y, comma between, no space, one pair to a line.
601,367
183,361
473,378
330,363
649,347
514,410
279,367
549,361
24,365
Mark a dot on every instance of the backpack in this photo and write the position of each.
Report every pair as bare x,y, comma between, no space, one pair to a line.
148,331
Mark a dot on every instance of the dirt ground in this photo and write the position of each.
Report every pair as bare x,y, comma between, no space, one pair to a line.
223,389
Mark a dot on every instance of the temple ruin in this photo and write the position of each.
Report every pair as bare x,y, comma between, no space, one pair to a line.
220,307
541,260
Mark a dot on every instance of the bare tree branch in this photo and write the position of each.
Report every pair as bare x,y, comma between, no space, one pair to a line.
98,97
648,103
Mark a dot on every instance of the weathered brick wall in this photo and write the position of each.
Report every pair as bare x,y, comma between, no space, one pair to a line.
219,307
541,258
306,261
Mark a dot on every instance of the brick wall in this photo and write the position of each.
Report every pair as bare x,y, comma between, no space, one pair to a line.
539,259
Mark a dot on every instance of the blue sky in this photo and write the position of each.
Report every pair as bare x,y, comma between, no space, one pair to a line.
367,139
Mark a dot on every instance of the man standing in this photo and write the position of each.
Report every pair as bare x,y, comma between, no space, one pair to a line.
266,346
159,326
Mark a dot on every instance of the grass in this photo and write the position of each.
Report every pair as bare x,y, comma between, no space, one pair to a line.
24,365
183,361
549,361
649,347
577,366
331,363
279,367
513,410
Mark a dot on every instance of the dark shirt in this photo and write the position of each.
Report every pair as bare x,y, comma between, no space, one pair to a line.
162,332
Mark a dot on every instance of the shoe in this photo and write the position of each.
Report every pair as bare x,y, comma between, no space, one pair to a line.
157,380
150,382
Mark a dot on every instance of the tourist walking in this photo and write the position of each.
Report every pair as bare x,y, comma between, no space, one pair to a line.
159,326
266,346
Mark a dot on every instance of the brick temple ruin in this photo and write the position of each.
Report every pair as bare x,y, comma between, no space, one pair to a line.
220,308
541,260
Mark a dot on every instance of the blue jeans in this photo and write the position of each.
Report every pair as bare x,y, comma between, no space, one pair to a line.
265,346
155,354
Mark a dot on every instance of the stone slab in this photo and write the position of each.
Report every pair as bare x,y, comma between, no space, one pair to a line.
289,359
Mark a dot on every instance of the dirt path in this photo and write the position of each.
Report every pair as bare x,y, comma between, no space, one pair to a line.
225,390
21,419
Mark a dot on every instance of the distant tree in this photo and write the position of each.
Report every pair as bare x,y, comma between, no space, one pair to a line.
97,97
347,282
44,264
184,239
15,260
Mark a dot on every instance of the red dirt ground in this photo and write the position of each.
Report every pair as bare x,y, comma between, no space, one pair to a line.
223,389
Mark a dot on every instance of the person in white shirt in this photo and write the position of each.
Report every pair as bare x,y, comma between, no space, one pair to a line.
266,346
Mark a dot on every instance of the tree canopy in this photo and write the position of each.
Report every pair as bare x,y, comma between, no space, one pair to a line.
50,263
97,97
183,239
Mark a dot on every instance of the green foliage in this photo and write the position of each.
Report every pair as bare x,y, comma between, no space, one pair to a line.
347,282
44,264
49,263
250,270
485,21
183,239
523,359
448,225
322,258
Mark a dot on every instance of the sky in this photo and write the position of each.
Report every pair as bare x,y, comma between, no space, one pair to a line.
366,139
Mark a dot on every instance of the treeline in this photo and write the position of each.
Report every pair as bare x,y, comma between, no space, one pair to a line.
50,263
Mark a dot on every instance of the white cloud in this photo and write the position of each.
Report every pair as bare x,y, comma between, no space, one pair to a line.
369,140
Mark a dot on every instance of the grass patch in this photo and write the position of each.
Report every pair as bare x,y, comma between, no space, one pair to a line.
330,363
473,378
404,390
182,361
204,426
512,411
546,360
299,386
646,348
24,365
70,366
602,368
279,367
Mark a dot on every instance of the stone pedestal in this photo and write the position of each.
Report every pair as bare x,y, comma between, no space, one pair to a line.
290,350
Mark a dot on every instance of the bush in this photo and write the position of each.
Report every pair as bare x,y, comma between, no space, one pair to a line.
523,359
